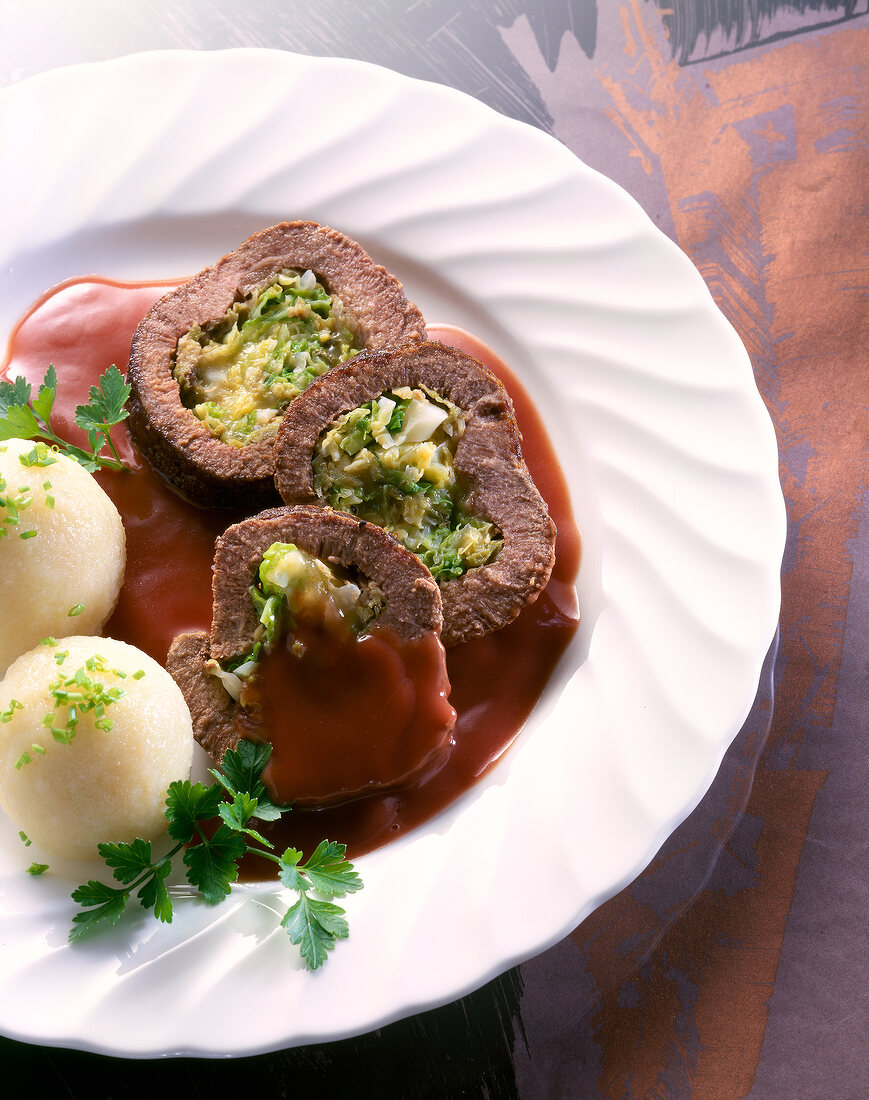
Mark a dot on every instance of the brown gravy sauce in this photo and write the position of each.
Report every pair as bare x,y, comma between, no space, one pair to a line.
82,327
388,725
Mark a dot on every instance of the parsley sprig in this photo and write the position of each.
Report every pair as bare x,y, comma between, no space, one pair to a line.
211,855
24,418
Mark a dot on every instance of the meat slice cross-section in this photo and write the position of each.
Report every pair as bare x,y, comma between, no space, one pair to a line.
177,433
347,713
483,528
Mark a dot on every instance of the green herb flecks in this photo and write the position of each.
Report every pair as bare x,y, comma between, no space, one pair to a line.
41,455
24,418
214,826
13,504
73,696
8,714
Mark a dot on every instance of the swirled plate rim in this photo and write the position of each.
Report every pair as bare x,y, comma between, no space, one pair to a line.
670,454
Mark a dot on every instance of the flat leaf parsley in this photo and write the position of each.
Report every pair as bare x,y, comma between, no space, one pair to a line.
23,418
215,826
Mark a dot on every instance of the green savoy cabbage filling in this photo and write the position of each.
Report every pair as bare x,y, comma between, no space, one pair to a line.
390,462
239,375
292,584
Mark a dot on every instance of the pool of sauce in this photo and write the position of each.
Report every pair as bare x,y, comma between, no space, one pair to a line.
85,325
390,722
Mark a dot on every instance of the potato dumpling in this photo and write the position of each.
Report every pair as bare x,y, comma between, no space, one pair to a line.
132,736
62,549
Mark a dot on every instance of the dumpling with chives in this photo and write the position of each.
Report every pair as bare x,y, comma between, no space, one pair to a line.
62,549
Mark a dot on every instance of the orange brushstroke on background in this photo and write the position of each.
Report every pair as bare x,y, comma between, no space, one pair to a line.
746,931
774,229
734,941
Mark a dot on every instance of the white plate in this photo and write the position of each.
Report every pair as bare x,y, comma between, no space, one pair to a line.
153,166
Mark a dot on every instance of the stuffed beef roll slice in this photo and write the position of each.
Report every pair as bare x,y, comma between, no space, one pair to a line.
215,362
423,441
324,642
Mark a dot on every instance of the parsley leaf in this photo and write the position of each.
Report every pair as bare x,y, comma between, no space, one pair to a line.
13,394
213,865
240,770
106,408
23,418
187,804
237,814
19,423
127,860
329,872
312,923
154,894
314,926
103,904
44,400
211,827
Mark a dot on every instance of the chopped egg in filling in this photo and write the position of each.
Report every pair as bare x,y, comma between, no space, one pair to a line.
292,585
239,375
390,462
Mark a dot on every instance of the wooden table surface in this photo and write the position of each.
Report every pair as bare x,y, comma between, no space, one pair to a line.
737,964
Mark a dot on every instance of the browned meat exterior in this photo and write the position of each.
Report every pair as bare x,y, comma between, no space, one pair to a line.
488,462
172,438
211,707
412,600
